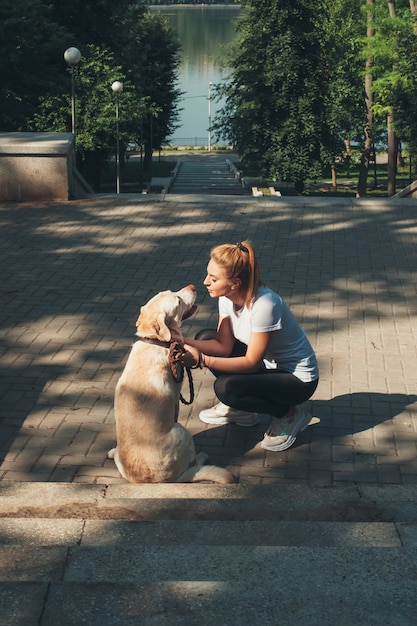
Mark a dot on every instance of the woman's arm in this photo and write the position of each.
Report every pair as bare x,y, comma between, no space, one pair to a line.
221,346
250,362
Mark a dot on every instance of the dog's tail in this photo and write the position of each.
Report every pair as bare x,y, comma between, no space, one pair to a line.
198,473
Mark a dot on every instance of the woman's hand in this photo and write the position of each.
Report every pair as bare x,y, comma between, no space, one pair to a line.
190,356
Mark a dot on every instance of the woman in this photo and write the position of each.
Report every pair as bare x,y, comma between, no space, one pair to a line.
261,357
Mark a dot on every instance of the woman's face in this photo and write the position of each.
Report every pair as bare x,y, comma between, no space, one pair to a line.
217,282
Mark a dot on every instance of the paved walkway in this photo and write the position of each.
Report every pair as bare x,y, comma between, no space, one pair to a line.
74,276
322,534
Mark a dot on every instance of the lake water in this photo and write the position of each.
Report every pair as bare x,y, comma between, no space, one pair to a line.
203,31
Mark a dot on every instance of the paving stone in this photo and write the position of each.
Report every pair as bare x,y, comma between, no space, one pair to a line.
68,322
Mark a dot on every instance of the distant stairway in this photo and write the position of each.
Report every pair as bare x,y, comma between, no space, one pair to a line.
206,174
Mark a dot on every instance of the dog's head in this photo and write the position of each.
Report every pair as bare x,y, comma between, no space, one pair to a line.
162,316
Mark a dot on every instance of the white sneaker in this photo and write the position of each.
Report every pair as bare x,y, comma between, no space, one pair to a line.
282,432
223,414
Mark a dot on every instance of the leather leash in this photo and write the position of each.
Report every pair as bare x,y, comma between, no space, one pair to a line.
175,352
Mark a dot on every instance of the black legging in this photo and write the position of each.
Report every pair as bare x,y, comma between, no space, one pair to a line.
266,391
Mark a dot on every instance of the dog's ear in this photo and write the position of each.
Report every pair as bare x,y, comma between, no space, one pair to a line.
154,327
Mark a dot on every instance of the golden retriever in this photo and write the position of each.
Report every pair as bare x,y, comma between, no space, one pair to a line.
151,446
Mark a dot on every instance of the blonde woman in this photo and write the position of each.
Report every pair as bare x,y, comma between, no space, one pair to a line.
260,355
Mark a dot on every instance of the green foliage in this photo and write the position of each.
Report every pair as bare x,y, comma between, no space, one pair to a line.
406,92
344,43
277,97
387,56
118,41
297,84
393,54
164,2
30,59
295,90
95,104
151,60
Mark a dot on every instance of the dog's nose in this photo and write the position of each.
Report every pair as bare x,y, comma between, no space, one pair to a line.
191,287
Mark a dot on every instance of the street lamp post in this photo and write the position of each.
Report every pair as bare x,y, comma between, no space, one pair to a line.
151,111
209,116
72,56
117,87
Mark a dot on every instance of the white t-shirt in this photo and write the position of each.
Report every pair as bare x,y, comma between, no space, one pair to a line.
289,348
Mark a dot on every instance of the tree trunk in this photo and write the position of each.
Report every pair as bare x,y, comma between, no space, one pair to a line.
392,155
413,8
348,156
392,141
366,152
347,145
391,8
400,156
147,160
334,178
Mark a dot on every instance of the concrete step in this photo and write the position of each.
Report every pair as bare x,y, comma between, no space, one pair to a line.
206,554
126,585
286,502
42,533
117,574
129,584
207,177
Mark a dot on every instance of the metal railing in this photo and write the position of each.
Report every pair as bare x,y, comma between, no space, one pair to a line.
189,141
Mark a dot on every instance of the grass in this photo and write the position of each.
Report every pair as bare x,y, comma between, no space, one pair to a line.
347,180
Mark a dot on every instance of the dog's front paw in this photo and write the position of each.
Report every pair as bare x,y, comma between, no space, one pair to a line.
111,453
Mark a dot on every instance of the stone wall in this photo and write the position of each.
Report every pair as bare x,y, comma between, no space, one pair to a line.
37,166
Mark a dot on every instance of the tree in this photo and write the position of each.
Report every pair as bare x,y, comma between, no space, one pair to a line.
392,139
368,128
345,102
102,23
30,60
277,97
390,84
119,41
406,92
95,120
151,61
145,48
401,83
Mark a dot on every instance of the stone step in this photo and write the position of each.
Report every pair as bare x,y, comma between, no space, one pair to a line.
123,582
206,554
42,533
290,594
206,177
278,502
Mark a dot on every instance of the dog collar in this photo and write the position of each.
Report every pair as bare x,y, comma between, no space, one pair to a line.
156,342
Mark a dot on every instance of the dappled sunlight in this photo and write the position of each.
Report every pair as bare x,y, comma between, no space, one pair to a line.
74,278
40,532
76,274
